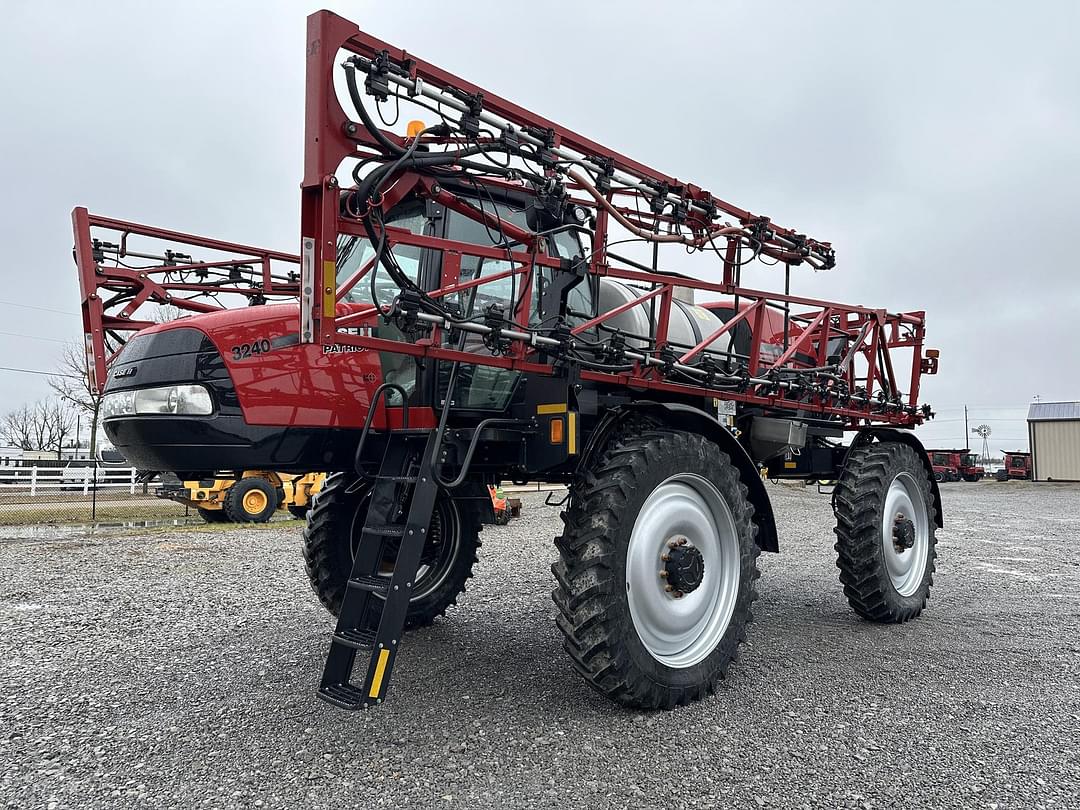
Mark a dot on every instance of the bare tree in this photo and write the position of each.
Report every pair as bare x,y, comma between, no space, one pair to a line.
166,313
57,423
41,426
17,428
72,384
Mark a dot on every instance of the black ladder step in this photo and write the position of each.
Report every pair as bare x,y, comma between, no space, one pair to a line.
371,583
385,531
343,695
355,637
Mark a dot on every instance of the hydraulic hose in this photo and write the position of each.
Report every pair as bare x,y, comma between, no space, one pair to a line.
651,236
361,110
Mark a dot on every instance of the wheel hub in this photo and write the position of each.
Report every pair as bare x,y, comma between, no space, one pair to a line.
254,502
903,532
682,630
684,567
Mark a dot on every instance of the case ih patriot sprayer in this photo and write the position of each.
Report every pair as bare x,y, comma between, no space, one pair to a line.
468,313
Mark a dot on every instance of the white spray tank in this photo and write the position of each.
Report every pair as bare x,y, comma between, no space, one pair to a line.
688,324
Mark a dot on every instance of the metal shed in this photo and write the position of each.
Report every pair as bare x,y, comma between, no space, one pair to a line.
1054,437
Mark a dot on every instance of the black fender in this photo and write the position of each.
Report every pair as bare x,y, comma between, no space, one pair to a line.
884,434
473,494
689,418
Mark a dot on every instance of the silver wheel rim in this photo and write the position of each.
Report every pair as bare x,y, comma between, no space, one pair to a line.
906,566
682,632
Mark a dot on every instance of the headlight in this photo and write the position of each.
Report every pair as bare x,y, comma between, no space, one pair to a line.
118,404
184,400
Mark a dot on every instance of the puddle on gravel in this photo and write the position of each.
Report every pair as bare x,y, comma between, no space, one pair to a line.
65,531
62,531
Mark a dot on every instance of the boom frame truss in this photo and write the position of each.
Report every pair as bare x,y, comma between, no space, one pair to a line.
112,293
332,138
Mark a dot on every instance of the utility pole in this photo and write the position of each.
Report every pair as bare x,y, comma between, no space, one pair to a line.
966,431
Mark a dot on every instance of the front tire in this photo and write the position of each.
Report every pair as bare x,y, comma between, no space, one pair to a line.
334,525
660,501
250,500
885,529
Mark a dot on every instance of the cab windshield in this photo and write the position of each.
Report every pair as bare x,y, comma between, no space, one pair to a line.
479,387
355,251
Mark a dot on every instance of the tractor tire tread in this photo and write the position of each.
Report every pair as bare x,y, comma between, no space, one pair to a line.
588,587
859,500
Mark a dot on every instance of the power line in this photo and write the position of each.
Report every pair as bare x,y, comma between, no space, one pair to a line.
42,309
42,373
984,408
987,418
33,337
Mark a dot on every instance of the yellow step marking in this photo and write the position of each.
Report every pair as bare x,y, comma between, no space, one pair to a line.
380,671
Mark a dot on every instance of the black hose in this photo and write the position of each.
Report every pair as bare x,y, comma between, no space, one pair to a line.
361,110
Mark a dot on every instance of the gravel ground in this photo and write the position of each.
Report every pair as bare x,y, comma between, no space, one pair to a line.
177,668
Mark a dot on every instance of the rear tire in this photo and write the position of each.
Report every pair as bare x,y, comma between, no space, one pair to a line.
885,579
250,500
334,524
627,635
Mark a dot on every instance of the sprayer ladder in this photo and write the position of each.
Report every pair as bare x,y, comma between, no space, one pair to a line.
372,619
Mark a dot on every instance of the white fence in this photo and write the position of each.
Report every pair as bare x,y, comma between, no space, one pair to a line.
35,481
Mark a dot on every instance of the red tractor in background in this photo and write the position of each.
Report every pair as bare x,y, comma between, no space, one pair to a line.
468,314
943,467
956,465
1017,466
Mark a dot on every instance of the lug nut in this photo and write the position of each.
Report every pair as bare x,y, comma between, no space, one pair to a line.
664,574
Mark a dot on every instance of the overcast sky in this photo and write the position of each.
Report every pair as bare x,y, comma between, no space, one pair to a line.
937,145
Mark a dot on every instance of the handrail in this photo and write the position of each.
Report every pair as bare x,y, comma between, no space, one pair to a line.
377,395
467,461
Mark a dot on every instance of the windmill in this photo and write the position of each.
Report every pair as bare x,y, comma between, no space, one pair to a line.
983,432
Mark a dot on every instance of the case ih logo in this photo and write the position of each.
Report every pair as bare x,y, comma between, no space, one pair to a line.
125,372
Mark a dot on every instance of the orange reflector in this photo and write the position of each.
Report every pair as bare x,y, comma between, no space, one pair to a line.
415,128
557,432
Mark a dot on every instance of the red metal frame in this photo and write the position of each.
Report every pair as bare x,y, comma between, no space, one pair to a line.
332,138
112,294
